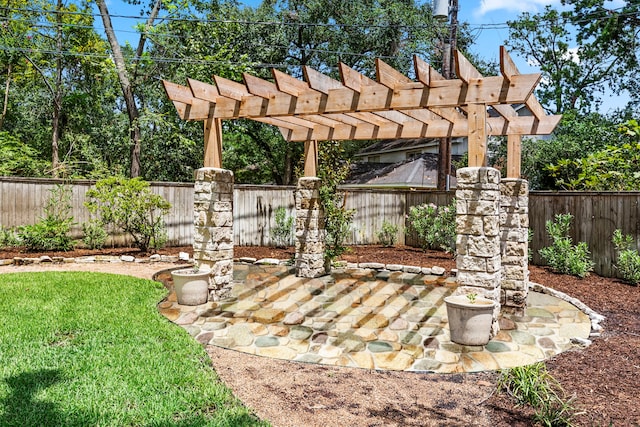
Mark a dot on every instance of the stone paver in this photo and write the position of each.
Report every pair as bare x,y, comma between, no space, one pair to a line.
355,318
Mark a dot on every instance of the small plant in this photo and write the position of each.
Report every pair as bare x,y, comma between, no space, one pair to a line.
562,256
628,259
9,237
282,232
94,233
129,204
435,225
52,232
533,385
472,298
388,235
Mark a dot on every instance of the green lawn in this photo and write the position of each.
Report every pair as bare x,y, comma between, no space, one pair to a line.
89,349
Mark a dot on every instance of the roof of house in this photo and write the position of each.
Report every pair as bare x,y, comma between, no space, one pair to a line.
387,145
419,172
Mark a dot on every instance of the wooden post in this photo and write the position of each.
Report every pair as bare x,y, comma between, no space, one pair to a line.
477,116
212,142
514,156
310,158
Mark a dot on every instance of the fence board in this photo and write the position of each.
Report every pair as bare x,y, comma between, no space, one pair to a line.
597,215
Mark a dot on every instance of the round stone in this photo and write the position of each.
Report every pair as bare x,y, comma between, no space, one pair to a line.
267,341
300,332
379,347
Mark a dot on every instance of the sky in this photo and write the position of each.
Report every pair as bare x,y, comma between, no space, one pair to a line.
487,19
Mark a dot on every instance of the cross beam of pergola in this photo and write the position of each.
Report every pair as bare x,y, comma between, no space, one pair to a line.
392,106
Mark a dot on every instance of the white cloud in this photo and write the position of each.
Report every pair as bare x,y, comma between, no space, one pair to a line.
516,6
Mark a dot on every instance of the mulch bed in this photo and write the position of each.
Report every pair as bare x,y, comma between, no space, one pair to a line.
604,378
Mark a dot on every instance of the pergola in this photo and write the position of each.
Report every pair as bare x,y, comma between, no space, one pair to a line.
492,213
357,107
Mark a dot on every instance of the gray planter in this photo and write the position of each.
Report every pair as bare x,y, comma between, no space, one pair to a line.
469,323
191,287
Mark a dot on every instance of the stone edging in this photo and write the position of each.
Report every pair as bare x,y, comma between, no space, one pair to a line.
596,319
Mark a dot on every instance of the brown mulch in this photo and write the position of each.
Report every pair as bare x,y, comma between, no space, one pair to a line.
604,378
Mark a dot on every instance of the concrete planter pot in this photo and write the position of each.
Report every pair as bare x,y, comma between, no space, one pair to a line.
191,286
469,322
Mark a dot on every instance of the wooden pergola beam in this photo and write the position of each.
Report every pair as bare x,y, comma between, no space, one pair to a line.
357,107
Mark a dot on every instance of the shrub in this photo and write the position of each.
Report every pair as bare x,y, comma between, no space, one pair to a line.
8,237
129,205
435,226
533,385
51,233
562,256
628,259
282,233
95,235
388,235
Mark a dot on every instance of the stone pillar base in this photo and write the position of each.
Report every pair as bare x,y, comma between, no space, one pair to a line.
478,234
310,234
514,242
213,228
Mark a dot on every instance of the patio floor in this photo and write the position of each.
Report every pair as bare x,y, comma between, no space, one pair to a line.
368,319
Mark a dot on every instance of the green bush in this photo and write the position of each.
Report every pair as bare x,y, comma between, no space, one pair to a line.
129,205
628,259
282,233
8,237
533,385
94,233
51,233
388,235
435,225
562,256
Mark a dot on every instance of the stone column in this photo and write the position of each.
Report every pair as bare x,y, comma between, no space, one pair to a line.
478,234
213,227
514,237
310,233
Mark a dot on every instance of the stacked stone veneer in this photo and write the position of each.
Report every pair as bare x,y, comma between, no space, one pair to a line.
514,234
310,232
213,228
478,234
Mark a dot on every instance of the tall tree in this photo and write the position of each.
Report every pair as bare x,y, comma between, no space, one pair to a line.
126,83
576,65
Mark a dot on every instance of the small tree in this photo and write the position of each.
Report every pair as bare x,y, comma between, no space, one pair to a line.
282,232
435,225
129,204
332,171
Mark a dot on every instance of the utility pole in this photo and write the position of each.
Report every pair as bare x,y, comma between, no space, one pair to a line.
448,51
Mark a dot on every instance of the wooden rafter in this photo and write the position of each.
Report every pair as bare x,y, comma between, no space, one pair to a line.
356,107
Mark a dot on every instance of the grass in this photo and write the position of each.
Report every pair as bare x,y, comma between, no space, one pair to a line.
88,349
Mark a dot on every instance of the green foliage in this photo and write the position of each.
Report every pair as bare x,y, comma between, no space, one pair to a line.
533,385
562,256
19,159
89,349
435,225
628,259
610,168
52,231
282,233
94,233
129,204
388,235
8,237
332,171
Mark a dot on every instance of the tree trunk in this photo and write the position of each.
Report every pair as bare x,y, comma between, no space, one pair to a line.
57,95
6,96
127,90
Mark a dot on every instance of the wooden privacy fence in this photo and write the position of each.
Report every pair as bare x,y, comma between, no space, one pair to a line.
597,215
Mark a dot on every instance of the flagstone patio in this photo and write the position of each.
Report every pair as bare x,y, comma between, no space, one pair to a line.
371,319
